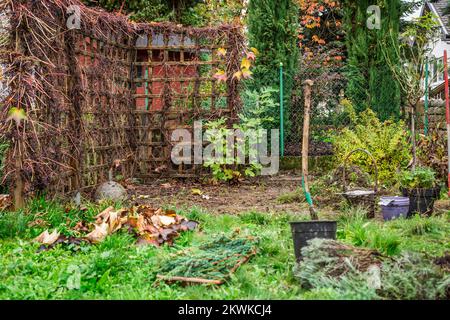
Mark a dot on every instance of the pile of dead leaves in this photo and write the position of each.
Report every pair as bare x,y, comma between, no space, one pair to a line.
150,226
157,226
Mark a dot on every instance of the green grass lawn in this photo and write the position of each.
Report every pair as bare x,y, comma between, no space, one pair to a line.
118,269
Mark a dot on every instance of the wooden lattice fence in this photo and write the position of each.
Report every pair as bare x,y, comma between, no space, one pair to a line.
108,90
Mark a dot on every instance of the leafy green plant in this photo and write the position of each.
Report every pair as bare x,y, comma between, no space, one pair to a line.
260,108
254,117
387,141
432,151
421,177
407,63
224,167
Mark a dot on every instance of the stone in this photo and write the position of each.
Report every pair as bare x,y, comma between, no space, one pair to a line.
111,191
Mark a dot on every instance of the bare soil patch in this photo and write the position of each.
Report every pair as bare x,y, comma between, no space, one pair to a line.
260,195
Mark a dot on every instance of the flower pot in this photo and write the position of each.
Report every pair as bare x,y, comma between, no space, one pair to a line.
421,200
394,207
304,231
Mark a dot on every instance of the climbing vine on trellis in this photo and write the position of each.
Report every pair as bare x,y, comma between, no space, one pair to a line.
71,109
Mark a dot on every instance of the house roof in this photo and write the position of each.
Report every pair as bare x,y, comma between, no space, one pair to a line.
439,8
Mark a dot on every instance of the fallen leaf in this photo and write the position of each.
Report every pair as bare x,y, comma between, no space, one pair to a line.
99,234
190,225
155,220
115,222
171,213
81,227
166,234
104,214
132,221
151,229
197,192
166,220
141,224
145,242
146,211
46,238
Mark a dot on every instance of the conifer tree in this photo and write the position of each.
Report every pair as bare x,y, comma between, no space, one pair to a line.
273,30
370,80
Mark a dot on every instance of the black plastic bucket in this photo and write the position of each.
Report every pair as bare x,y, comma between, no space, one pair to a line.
304,231
421,200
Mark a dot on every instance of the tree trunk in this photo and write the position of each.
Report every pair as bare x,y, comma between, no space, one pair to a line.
413,138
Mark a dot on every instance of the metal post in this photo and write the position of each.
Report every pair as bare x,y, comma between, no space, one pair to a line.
281,111
447,114
426,98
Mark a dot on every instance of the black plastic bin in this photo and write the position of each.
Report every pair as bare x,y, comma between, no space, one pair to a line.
307,230
421,200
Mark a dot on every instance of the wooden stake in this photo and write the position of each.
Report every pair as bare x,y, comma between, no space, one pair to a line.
189,280
305,149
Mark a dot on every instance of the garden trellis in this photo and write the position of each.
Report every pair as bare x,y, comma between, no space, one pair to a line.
109,90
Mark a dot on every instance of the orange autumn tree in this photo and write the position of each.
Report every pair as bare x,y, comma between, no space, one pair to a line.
321,31
323,57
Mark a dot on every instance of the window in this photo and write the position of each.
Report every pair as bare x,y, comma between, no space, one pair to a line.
440,68
431,72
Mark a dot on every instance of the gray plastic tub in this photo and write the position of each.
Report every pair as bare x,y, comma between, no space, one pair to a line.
394,207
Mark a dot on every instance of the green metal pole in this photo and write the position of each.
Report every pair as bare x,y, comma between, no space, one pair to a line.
426,98
281,111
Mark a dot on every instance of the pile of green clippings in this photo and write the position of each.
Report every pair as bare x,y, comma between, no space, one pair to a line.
209,263
356,273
